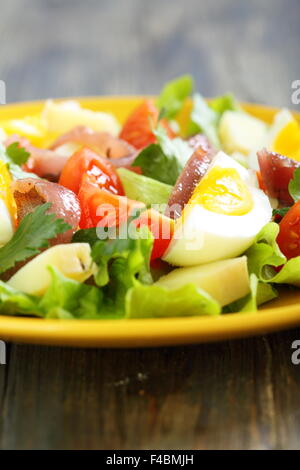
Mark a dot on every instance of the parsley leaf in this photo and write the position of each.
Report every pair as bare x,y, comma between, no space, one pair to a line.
294,185
33,234
17,154
157,165
165,160
86,235
11,156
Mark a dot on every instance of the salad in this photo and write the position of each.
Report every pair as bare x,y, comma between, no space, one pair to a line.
187,208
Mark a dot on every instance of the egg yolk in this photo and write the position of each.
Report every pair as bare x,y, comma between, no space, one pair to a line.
5,191
223,191
287,141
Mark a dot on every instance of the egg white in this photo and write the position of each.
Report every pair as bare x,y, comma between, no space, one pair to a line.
6,225
202,236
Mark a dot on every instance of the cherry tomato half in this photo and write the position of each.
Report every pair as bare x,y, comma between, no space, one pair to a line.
86,162
289,235
100,208
137,130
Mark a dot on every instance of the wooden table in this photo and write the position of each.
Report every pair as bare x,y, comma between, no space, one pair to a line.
239,394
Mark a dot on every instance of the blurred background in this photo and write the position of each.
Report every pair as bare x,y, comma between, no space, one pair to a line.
52,48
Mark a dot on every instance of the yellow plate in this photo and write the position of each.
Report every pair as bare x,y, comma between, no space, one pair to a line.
277,315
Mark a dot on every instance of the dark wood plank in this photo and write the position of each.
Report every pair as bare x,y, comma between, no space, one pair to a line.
241,394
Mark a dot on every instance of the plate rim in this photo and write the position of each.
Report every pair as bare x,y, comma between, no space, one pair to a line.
147,332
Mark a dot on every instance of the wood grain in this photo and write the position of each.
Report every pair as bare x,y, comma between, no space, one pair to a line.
240,394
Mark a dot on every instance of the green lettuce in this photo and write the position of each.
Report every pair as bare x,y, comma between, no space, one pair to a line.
223,103
144,189
265,255
289,274
173,95
124,289
14,302
155,301
259,294
124,259
64,298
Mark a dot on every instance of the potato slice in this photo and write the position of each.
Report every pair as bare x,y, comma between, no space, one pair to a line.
73,260
226,280
64,116
240,132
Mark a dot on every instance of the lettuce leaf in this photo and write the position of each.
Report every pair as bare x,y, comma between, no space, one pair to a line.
123,263
144,189
69,299
223,103
259,294
65,298
124,259
205,116
124,289
14,302
289,274
265,254
173,95
156,301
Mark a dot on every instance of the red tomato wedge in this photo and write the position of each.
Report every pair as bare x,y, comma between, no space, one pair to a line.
276,173
100,208
162,229
87,163
289,234
137,130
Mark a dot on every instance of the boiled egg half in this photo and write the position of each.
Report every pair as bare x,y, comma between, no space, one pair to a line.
222,218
